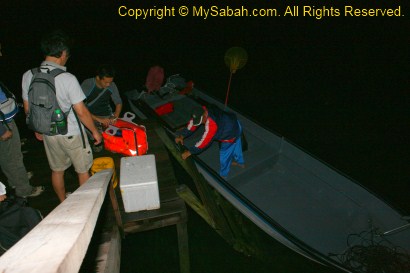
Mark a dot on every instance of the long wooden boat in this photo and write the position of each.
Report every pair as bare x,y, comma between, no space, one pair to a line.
295,198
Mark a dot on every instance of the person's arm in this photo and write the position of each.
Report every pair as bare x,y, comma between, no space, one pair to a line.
99,119
103,120
25,85
210,131
117,112
186,132
6,136
85,117
26,107
201,145
26,110
116,99
5,132
3,129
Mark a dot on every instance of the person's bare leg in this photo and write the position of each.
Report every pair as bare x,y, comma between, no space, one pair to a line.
57,179
83,177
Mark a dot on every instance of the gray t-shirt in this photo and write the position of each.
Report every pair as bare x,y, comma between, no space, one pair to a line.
98,99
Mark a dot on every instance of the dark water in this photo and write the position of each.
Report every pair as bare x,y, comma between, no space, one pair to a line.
338,87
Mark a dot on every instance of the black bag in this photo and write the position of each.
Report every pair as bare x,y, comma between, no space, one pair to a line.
16,220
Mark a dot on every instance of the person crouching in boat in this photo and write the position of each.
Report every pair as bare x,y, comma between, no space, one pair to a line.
220,126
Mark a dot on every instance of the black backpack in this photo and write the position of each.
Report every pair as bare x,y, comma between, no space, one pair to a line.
43,101
16,220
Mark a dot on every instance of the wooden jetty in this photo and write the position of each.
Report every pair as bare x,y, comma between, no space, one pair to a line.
172,209
84,233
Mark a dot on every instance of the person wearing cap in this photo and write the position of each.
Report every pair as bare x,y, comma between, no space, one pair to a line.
220,126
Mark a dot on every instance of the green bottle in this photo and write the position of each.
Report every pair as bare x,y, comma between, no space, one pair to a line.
60,121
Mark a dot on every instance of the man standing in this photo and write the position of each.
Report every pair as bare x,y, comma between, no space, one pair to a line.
100,91
11,157
70,149
220,126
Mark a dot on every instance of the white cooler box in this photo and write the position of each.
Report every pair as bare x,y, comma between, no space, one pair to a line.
139,183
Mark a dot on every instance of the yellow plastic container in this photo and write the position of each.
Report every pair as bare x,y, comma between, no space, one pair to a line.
102,163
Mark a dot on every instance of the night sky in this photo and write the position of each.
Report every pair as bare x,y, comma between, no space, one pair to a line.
336,86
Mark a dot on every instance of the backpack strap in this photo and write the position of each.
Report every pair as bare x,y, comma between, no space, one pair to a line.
54,72
35,70
8,94
79,125
6,91
94,97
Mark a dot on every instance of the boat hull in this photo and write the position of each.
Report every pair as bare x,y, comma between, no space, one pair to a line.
292,196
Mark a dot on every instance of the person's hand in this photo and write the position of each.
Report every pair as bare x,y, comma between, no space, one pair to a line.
3,197
6,136
97,137
38,136
113,120
105,122
185,155
179,139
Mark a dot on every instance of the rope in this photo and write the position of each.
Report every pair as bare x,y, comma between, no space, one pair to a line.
374,254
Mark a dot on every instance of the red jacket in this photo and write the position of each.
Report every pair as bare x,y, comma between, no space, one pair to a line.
220,126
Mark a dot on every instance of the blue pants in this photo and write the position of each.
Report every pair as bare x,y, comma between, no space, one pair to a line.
230,151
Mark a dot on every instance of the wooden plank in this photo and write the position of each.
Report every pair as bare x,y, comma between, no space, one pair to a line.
109,253
212,212
166,209
168,193
192,200
59,242
116,209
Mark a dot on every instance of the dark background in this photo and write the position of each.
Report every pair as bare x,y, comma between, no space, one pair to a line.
338,87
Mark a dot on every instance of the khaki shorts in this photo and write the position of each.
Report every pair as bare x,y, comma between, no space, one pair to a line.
64,151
